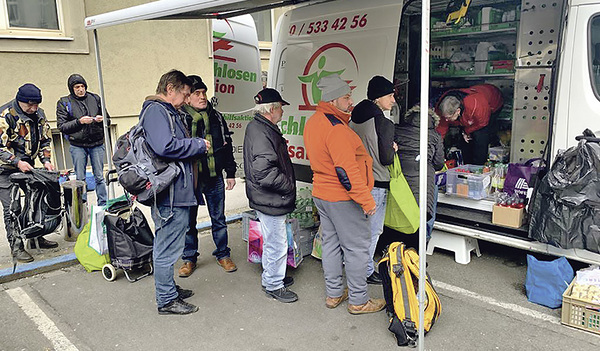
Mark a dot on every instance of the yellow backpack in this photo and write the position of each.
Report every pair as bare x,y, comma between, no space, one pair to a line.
399,271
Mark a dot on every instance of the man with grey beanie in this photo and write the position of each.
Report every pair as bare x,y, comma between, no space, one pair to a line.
342,184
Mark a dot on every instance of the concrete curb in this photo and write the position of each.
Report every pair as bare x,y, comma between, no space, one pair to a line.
43,266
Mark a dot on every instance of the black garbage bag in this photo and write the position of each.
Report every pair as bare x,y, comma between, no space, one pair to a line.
130,238
565,209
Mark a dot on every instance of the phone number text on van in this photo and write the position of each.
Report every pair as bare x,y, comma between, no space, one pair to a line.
340,24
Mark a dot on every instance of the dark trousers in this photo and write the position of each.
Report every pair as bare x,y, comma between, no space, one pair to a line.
214,194
5,186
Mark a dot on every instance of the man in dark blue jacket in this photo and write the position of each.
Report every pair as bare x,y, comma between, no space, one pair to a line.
172,213
271,189
205,122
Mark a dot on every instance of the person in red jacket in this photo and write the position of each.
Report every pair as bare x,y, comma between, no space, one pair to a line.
472,110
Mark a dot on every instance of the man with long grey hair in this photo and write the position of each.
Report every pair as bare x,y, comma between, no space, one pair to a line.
271,189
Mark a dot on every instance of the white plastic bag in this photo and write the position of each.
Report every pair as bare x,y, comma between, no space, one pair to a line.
98,240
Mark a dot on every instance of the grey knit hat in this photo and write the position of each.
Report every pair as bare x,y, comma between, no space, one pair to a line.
333,87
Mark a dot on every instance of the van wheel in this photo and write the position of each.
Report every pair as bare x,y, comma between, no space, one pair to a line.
109,272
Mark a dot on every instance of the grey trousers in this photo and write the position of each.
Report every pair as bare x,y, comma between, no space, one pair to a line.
346,239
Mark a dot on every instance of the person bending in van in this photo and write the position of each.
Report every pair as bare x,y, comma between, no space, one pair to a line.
377,134
271,189
342,183
472,109
24,135
205,122
407,136
79,118
171,215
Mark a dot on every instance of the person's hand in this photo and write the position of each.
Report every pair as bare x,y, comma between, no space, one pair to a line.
49,166
395,146
467,137
207,144
371,211
98,118
86,120
24,166
230,183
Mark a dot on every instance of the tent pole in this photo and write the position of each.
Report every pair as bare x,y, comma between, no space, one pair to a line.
425,19
107,143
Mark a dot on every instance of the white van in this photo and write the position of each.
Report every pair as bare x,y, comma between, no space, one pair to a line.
237,73
543,54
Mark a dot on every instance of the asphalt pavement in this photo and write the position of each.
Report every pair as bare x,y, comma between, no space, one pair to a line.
484,307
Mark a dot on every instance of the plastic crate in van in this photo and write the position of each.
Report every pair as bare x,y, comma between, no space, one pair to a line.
468,181
579,313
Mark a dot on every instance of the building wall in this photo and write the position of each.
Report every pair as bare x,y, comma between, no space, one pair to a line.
133,58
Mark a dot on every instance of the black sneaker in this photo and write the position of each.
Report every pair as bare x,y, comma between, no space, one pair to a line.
44,243
184,293
177,306
374,279
283,295
287,281
21,255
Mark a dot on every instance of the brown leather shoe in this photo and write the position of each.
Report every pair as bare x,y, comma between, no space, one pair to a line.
373,305
333,302
227,264
186,269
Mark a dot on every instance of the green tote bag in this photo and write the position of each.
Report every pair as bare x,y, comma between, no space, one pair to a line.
402,210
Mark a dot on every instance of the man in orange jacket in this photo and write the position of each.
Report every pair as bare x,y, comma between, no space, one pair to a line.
472,110
342,183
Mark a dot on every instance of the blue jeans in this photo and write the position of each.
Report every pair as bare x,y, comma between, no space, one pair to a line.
96,154
275,248
214,193
431,221
380,196
168,245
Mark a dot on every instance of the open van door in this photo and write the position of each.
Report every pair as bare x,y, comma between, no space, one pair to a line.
237,75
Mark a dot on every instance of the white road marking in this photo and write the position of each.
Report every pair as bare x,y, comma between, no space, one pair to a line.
491,301
44,324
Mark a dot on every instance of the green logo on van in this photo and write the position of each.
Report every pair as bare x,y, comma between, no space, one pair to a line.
313,78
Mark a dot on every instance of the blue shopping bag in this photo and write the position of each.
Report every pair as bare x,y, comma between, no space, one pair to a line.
547,280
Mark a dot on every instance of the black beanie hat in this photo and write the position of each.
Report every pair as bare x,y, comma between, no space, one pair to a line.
378,87
197,83
30,94
76,79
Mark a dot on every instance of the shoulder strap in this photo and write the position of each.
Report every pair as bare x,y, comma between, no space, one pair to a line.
66,102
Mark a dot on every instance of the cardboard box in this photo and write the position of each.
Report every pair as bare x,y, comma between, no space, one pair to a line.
508,216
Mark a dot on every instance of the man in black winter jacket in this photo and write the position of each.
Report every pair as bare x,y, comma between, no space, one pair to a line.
203,121
79,118
271,189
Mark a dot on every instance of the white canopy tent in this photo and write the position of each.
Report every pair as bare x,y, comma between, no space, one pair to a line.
208,9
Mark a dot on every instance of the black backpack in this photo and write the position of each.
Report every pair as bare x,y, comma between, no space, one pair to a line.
140,171
41,212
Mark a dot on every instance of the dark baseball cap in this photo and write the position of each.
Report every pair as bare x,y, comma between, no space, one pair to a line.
269,95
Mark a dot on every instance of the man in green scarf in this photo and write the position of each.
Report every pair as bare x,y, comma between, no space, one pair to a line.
206,122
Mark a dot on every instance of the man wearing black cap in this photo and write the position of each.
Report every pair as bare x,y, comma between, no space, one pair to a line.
271,189
79,118
24,134
205,122
377,134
